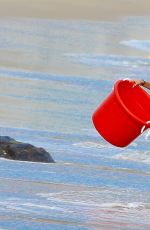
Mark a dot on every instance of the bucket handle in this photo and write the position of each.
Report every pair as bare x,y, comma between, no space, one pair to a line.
147,122
144,127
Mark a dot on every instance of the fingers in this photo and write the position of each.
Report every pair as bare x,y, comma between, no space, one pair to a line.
137,82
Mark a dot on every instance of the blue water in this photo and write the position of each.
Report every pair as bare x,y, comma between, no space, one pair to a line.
53,74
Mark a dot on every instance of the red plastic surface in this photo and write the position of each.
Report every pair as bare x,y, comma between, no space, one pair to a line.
121,116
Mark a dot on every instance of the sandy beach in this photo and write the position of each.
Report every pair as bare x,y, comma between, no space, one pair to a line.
74,9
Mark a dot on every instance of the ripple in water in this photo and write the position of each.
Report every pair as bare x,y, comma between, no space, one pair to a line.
138,44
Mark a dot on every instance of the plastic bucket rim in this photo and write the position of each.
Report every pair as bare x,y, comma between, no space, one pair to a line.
125,108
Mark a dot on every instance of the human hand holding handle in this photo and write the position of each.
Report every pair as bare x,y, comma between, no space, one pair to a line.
138,82
143,83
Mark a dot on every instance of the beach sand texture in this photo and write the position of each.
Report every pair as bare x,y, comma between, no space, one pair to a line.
74,9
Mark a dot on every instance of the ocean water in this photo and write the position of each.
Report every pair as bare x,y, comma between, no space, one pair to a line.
53,75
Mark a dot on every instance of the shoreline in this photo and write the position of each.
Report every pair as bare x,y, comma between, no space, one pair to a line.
74,10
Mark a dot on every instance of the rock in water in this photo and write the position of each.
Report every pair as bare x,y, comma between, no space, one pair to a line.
15,150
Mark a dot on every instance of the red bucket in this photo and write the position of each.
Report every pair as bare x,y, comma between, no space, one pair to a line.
124,114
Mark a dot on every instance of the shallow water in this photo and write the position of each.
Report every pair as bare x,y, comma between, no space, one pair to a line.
53,75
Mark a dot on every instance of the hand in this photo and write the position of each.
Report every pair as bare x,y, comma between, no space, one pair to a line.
138,82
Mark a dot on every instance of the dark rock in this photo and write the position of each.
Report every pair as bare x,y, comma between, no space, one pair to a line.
15,150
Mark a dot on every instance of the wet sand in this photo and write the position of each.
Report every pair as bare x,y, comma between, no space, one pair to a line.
74,9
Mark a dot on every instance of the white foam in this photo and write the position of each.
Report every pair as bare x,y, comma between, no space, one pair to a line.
138,156
80,199
28,207
138,44
90,144
91,132
28,204
133,205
